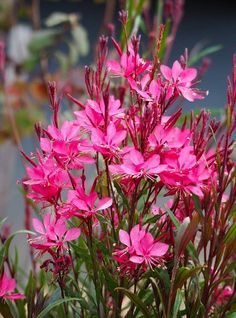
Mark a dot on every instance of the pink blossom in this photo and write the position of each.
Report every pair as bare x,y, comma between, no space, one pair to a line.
141,246
180,78
169,138
53,233
108,143
222,294
82,205
130,64
7,286
135,166
67,145
95,113
46,180
184,172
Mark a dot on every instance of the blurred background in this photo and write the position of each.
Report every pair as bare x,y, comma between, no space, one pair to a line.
42,40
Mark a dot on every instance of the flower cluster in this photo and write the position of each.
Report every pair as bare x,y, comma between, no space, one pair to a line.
133,177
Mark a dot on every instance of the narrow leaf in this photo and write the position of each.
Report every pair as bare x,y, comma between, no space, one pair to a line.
44,313
136,300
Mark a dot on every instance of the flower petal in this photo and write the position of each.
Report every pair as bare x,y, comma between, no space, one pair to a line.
104,203
136,259
38,226
166,72
124,238
159,249
72,234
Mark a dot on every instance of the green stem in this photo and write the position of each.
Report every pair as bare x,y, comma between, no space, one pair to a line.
95,270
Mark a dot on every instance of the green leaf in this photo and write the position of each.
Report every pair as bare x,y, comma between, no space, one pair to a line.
73,54
46,310
186,232
57,18
183,274
177,303
120,192
2,222
81,41
231,314
5,249
174,220
231,234
5,310
207,51
31,62
42,39
62,61
158,293
136,300
231,267
110,282
164,39
197,204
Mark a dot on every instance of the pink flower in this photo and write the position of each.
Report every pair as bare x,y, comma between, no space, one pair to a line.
46,180
53,233
7,286
82,205
67,145
135,166
108,143
96,113
141,246
184,172
222,294
169,138
130,64
180,78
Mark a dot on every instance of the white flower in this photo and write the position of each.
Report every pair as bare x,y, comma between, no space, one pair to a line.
18,40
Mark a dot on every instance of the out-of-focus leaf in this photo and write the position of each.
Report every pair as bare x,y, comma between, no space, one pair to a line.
207,51
120,192
231,314
136,300
5,310
134,10
177,303
231,267
159,296
5,249
43,39
31,62
186,232
62,60
180,234
164,39
80,37
110,282
44,313
231,234
173,218
183,274
60,17
73,54
25,120
2,222
197,204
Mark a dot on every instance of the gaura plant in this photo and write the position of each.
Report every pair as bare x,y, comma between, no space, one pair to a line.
135,200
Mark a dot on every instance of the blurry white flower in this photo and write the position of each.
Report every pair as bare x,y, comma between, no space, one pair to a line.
18,40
